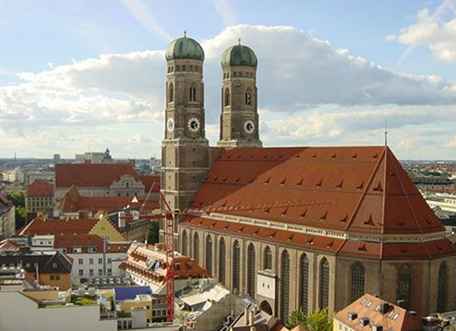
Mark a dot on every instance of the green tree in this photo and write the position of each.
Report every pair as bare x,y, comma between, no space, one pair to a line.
153,236
18,200
316,321
296,318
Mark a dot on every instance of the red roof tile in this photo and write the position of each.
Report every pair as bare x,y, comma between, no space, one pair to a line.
40,188
151,183
41,226
395,318
92,174
73,202
70,240
357,189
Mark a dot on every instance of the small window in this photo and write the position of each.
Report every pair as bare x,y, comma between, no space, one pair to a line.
171,92
192,96
227,97
248,98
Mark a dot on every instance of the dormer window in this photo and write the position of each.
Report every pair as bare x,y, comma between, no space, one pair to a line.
227,97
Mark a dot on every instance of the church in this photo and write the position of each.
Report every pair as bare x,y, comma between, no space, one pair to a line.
294,228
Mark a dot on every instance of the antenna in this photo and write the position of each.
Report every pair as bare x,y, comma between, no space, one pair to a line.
386,133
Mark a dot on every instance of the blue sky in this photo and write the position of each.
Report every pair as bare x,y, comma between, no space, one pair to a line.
56,57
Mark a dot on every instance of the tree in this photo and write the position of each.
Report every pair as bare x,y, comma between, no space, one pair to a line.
296,318
18,200
316,321
153,236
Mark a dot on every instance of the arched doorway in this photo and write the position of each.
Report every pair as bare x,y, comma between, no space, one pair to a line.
266,307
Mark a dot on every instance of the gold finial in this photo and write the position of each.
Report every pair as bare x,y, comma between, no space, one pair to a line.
386,133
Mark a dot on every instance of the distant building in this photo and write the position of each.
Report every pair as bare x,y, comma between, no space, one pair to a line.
7,218
104,179
372,313
95,157
39,197
30,176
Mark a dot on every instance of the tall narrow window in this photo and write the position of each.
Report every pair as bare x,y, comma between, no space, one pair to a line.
192,95
248,97
184,242
304,283
251,273
196,247
171,92
236,267
442,288
357,281
324,283
222,261
209,254
227,97
267,258
284,285
404,286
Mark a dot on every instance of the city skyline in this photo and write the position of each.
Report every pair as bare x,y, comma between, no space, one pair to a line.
320,82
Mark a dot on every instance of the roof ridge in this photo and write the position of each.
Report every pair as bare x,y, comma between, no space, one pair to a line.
366,189
409,205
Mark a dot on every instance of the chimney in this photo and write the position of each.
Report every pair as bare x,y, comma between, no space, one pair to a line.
122,219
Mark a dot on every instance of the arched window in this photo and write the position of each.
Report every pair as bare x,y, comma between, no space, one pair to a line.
209,254
184,242
304,283
284,285
251,273
171,92
236,267
196,247
324,283
192,95
227,97
404,286
248,97
357,280
221,261
267,258
442,288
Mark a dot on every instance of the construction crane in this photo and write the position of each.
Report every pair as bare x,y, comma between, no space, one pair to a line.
169,220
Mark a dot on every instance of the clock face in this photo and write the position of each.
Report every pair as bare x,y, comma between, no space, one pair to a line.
249,126
194,124
170,125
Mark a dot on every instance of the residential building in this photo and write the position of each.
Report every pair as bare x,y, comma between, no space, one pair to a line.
95,157
293,227
95,246
372,313
50,268
39,197
146,265
7,218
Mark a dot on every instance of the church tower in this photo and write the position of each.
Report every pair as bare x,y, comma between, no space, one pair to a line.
239,118
185,148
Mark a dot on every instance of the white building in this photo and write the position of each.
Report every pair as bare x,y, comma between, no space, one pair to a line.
446,202
19,312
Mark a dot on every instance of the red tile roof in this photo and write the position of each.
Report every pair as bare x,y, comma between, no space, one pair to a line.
92,174
395,318
41,226
70,240
73,202
40,188
151,183
357,189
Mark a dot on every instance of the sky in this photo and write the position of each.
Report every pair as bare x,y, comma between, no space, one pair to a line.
80,76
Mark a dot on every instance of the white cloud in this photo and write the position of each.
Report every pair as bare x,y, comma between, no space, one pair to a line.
432,31
309,91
